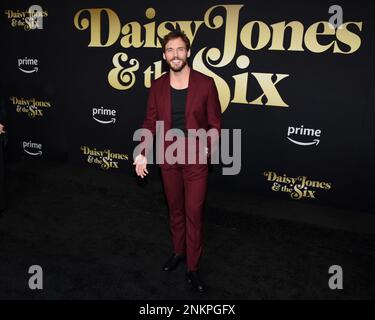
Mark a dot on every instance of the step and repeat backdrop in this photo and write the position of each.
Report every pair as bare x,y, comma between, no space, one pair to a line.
296,77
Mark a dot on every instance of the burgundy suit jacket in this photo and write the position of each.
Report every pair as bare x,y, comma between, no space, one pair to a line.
202,109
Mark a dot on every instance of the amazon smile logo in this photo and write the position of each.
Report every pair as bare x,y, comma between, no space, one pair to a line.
104,116
28,65
300,134
32,148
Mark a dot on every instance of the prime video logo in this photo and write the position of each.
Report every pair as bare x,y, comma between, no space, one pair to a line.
98,113
36,148
28,65
302,131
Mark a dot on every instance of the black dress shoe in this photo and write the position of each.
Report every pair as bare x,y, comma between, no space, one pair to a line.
196,281
173,262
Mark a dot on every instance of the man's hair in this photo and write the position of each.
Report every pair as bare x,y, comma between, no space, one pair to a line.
174,35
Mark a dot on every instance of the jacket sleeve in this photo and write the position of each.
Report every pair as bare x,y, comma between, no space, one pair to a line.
149,123
213,117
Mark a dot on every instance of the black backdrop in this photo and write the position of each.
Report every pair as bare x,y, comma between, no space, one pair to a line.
327,91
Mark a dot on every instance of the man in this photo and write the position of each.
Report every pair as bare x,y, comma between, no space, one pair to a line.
2,146
184,99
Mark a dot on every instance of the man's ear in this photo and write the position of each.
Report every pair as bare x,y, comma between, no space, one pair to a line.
188,54
164,56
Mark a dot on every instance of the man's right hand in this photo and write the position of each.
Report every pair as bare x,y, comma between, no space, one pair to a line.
2,129
140,163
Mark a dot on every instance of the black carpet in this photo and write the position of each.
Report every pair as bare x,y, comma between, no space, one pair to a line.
99,235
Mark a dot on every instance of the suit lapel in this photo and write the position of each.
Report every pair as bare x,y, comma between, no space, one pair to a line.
190,94
166,100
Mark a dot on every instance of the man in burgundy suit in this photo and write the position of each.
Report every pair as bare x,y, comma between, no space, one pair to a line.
184,99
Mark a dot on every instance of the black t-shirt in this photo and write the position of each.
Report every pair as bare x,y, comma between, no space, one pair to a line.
178,108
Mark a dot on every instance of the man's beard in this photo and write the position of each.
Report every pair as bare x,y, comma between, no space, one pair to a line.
177,69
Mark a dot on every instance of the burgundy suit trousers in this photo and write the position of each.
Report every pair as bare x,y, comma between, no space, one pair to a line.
185,186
